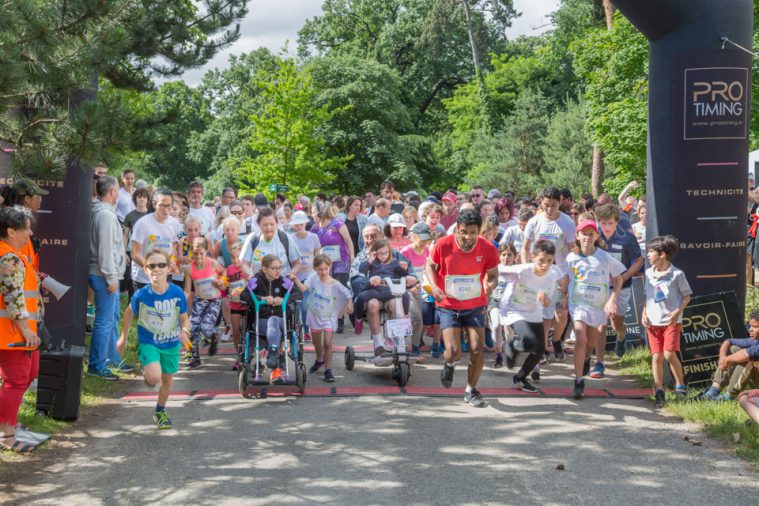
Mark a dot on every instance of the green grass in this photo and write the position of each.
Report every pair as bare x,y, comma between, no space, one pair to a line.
722,420
94,391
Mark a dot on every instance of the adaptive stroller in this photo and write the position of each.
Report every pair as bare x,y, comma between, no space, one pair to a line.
394,330
253,344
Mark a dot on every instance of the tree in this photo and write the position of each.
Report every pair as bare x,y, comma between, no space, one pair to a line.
286,136
513,157
567,150
52,50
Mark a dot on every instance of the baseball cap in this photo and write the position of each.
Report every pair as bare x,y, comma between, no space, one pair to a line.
411,193
422,231
260,200
28,187
494,194
587,223
396,220
450,196
298,218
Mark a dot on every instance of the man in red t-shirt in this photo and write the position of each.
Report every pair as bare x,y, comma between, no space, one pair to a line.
457,268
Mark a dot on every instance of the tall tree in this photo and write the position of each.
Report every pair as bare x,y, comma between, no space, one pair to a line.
51,49
286,138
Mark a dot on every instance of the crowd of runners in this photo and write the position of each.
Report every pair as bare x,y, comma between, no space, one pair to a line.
485,271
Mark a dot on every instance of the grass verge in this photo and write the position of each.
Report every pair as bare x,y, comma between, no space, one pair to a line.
725,421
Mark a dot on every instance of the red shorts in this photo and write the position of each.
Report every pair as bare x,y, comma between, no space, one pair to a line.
664,337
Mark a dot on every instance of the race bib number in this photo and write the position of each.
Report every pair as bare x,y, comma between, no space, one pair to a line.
332,251
155,243
322,305
307,262
463,287
588,294
162,324
235,289
398,328
204,288
525,296
557,239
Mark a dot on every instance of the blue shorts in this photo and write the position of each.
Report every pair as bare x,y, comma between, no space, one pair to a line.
467,318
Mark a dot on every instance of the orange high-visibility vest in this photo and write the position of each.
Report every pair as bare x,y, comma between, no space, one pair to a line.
28,250
9,333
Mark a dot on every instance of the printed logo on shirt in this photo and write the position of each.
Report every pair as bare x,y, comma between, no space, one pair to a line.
478,258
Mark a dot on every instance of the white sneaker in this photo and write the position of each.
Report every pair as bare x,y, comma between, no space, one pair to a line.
227,335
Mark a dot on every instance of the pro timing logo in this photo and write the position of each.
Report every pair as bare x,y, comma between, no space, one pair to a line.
716,103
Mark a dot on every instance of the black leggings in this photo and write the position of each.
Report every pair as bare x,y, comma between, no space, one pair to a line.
533,341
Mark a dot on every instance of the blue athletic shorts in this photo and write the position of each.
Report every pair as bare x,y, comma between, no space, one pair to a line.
468,318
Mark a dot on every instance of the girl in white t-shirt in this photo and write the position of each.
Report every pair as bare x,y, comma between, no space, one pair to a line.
591,270
507,254
309,246
328,300
532,287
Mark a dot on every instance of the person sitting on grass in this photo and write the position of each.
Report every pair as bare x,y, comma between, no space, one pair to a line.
162,323
749,401
738,364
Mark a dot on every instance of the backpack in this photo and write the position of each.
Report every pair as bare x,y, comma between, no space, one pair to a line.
282,238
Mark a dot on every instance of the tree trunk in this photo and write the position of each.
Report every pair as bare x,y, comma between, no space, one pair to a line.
597,172
473,44
609,13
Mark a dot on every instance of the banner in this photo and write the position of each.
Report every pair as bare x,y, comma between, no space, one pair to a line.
699,101
63,224
707,322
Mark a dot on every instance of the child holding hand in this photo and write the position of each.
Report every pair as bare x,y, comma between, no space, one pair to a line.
328,300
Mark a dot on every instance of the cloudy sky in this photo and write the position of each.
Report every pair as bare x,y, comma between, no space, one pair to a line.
272,23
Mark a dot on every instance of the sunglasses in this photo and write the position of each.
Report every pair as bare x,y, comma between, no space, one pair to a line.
477,194
237,213
159,265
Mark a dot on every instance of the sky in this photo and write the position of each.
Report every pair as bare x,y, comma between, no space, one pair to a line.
272,23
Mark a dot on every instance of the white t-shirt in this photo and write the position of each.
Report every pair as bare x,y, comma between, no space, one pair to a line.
639,229
665,292
513,235
274,247
306,246
589,278
520,299
325,303
151,234
124,205
206,218
560,232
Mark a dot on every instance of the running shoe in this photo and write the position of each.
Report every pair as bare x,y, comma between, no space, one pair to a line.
586,367
104,374
276,376
227,334
192,364
435,350
307,337
358,326
659,398
681,392
712,394
524,384
236,366
317,365
272,359
498,362
546,359
121,367
536,373
558,351
213,348
619,348
446,375
474,398
598,371
579,390
328,376
162,420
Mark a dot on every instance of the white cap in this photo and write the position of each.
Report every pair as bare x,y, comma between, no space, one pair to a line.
396,220
298,217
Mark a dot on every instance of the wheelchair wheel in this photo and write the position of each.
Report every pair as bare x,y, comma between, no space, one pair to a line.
350,358
402,373
242,383
300,378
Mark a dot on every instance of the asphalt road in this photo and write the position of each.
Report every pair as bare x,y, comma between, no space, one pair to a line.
381,449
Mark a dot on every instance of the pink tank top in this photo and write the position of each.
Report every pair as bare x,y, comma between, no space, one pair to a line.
202,280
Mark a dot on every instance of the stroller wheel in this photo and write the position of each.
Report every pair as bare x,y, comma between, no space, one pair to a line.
242,383
300,377
350,358
402,373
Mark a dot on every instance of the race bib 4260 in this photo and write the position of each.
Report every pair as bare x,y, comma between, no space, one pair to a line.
463,287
